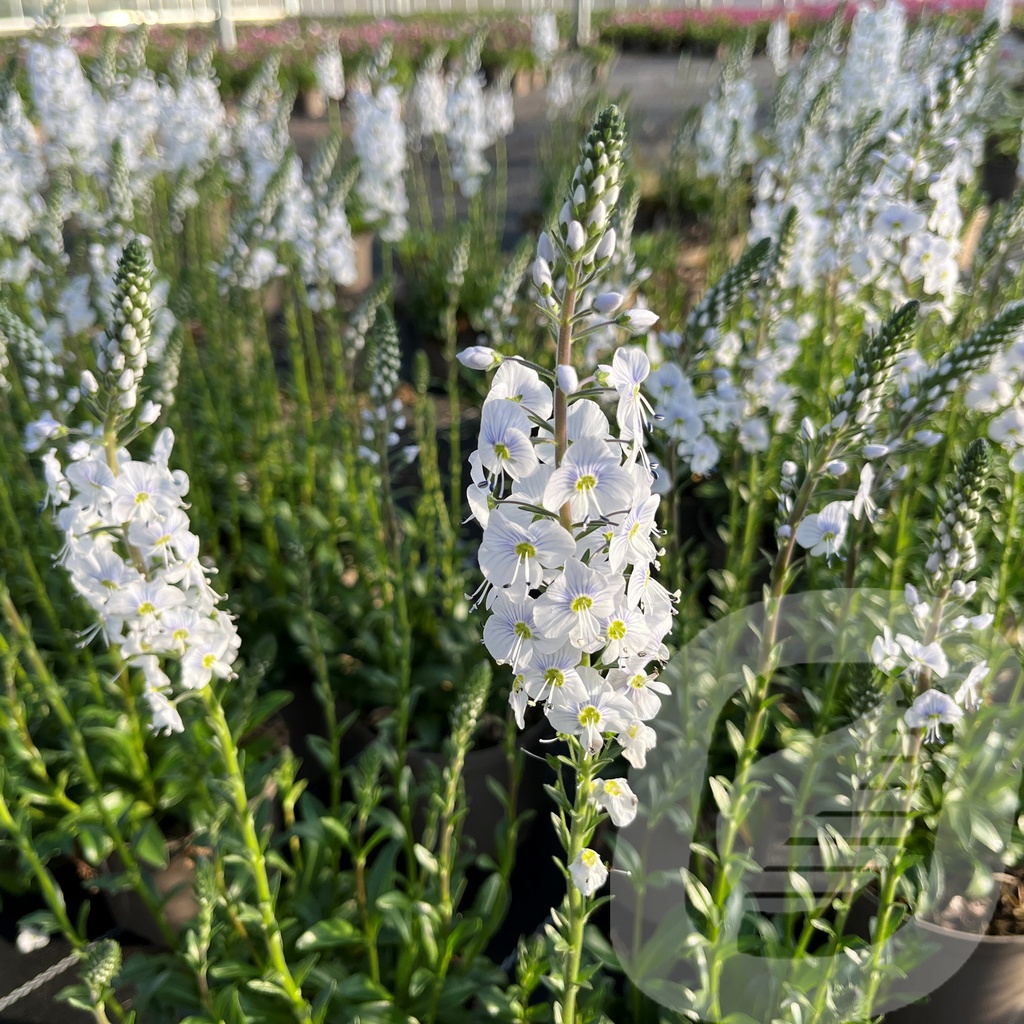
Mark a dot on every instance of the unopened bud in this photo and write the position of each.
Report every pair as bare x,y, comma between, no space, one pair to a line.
479,357
606,247
568,379
637,321
608,302
575,237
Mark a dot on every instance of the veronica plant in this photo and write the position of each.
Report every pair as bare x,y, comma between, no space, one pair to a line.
568,561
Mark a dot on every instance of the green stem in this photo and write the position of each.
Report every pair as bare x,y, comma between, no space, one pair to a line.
257,859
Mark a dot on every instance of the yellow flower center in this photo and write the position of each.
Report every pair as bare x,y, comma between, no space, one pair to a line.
141,497
209,660
501,450
617,630
522,630
590,716
146,608
587,482
612,788
589,858
581,604
554,676
524,549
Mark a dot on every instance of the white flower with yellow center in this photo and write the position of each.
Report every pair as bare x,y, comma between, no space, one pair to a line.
930,711
517,554
510,632
505,445
598,710
591,479
553,675
636,739
588,872
640,687
615,797
575,605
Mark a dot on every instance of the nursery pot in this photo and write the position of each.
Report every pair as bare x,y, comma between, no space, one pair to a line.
173,884
314,103
987,989
522,82
363,242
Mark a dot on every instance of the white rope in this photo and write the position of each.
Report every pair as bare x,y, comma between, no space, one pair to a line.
41,979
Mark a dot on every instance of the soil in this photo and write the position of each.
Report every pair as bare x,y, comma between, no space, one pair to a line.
978,916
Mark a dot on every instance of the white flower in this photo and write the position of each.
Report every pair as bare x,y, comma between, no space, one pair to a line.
208,658
509,633
615,797
635,682
823,532
931,710
636,739
479,357
591,479
631,539
165,717
143,492
575,605
923,657
31,937
885,652
522,385
505,445
630,368
598,710
588,872
967,693
516,553
862,503
550,671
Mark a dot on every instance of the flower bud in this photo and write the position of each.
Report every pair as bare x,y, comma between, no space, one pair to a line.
542,275
89,383
575,237
479,357
568,379
545,250
789,468
875,451
637,321
807,429
150,413
606,247
608,302
598,217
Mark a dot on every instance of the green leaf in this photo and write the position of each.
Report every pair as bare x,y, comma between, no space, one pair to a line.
151,846
327,934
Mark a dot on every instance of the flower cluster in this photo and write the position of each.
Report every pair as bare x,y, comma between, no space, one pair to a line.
941,618
127,544
378,136
873,150
565,500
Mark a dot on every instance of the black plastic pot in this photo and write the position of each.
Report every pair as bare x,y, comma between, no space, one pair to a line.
985,980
